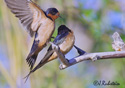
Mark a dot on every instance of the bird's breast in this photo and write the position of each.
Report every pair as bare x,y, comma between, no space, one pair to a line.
45,31
68,43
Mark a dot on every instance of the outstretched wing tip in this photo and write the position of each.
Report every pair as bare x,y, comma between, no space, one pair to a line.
25,13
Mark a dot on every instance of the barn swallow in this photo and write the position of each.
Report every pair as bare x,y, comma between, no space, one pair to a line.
65,40
38,22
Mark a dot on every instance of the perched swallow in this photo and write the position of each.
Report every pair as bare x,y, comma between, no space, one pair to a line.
65,40
38,22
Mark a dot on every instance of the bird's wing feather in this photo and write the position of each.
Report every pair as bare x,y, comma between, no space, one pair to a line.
31,59
28,13
60,38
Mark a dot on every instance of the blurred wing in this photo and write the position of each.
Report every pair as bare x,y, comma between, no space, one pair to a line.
28,13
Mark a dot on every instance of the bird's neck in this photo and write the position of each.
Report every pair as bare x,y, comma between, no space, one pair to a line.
52,17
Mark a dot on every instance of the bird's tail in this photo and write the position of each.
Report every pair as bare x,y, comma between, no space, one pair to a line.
27,76
80,51
31,59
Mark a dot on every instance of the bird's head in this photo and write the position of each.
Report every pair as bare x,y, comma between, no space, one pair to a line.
53,13
63,29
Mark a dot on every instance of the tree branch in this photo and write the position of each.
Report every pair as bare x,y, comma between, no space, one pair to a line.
90,56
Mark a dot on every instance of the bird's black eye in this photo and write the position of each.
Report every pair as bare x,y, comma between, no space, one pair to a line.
53,13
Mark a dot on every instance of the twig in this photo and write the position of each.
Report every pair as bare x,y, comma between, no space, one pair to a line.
99,56
59,53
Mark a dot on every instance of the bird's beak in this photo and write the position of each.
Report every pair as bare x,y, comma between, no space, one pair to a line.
60,17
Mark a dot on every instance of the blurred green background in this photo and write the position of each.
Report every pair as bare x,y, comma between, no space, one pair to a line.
93,22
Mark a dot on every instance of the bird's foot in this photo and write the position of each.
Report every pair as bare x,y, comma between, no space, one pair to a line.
54,46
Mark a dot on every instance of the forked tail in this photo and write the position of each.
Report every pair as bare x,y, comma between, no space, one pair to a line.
27,76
